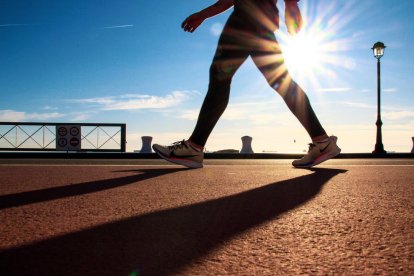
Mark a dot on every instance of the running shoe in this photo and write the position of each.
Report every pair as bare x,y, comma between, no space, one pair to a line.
318,153
182,153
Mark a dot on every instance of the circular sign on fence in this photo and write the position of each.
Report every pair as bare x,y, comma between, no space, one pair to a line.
62,131
74,142
74,131
62,142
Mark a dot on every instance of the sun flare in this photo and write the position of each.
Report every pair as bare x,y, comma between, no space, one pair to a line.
303,53
309,55
316,53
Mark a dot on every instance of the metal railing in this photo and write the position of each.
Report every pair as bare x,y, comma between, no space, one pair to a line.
25,136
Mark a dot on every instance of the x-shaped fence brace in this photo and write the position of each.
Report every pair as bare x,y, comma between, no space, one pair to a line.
97,128
29,136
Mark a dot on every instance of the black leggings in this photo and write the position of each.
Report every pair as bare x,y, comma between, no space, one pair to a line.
237,42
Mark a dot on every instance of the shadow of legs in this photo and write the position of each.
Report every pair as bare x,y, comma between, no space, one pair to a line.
19,199
162,242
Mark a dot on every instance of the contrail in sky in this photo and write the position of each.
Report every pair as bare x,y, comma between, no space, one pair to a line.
118,26
13,25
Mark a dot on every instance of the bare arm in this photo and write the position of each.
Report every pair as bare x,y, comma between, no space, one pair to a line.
293,17
191,23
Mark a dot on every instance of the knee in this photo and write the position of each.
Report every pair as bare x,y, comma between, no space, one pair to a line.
219,84
220,74
275,83
279,83
288,89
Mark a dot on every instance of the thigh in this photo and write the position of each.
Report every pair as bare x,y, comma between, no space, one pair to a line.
267,55
231,50
226,61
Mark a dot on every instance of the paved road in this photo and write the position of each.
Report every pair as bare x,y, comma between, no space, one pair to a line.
234,217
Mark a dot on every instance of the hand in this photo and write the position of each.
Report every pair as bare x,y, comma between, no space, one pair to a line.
191,23
293,18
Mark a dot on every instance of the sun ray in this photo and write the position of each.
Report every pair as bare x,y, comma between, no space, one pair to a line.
317,55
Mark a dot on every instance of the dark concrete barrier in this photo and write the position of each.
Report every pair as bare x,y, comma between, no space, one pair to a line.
133,155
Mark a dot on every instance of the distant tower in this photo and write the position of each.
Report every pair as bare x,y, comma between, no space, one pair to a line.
146,144
246,144
412,151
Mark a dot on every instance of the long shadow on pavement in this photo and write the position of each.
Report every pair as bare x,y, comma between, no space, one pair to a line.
19,199
162,242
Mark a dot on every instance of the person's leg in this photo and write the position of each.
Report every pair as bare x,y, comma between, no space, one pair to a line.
227,59
268,58
229,56
270,62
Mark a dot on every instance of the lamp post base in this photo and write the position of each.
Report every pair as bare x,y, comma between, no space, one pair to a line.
379,149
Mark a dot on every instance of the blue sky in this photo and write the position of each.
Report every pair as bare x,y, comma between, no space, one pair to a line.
129,62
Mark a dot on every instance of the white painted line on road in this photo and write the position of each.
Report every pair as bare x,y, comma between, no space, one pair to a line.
85,165
366,165
212,165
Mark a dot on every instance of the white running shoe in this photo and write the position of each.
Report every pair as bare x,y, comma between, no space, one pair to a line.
318,153
182,153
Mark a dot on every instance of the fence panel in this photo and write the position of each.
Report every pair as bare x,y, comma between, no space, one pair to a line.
25,136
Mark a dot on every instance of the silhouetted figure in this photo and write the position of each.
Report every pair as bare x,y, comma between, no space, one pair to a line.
249,32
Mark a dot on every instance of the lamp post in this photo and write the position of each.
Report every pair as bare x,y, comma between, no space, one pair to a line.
378,50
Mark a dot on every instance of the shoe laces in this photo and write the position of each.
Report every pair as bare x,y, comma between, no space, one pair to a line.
177,145
311,146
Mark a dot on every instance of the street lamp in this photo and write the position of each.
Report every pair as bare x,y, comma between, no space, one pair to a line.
378,50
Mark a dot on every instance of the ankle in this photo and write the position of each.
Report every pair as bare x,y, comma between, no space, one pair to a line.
195,146
320,139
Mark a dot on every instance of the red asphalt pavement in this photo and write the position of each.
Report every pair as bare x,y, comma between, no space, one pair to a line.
233,217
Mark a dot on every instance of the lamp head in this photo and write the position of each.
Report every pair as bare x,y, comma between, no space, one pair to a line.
378,49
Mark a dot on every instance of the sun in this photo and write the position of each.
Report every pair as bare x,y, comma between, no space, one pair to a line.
315,54
309,55
303,54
